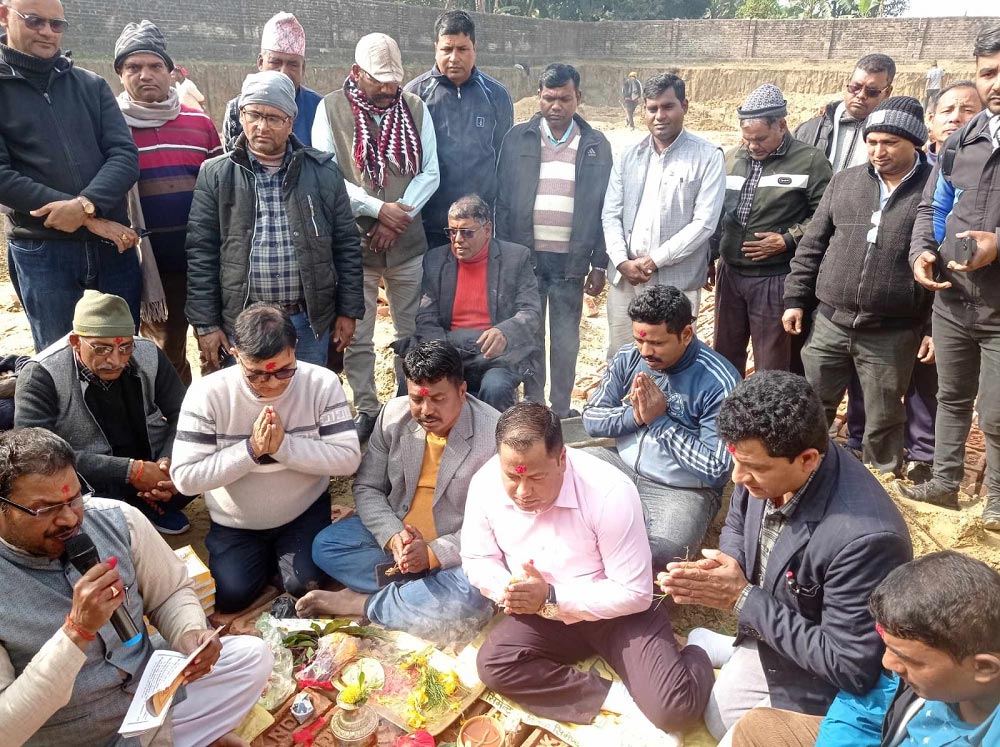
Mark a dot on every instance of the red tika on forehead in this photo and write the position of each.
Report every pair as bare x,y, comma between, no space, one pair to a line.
271,366
424,391
119,340
642,333
65,489
880,630
731,449
520,469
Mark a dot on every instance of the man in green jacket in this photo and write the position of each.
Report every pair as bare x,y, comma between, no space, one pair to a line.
271,222
773,186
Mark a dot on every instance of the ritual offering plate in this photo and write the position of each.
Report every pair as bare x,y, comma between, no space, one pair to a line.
371,668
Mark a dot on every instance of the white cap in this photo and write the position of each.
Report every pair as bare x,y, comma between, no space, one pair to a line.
378,55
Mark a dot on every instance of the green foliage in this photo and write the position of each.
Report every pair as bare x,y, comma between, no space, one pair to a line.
760,9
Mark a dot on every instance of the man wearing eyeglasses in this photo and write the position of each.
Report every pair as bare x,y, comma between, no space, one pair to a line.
65,675
116,399
260,440
271,222
68,163
282,49
384,142
481,295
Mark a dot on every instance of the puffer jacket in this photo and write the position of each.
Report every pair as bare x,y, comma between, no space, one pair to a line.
967,199
221,228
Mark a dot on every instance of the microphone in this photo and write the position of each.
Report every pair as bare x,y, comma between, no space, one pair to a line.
80,551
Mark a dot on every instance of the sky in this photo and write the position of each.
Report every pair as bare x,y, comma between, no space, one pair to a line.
924,8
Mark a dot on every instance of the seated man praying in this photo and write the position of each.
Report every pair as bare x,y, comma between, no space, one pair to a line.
261,440
410,496
557,540
659,400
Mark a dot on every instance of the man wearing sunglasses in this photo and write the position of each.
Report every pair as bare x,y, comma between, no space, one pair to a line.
481,295
271,222
260,440
65,675
116,399
69,161
384,142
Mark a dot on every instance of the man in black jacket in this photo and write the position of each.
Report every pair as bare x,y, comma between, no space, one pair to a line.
67,161
852,268
954,254
940,618
809,534
552,175
480,294
271,222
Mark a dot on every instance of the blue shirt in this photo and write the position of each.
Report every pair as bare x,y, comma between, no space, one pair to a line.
937,724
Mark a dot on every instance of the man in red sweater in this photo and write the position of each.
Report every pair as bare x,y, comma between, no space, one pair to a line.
481,295
173,141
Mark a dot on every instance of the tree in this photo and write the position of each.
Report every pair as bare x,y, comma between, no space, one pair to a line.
761,9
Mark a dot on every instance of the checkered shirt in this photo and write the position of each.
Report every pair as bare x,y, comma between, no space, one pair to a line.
85,374
274,267
748,191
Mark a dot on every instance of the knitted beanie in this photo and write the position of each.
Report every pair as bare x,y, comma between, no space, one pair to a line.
899,115
272,88
766,101
141,37
102,315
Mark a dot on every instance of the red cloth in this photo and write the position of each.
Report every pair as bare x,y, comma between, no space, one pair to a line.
471,310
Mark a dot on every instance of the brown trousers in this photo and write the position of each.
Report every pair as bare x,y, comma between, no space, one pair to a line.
772,727
171,336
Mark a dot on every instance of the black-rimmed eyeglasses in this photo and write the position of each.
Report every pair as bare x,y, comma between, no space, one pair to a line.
51,511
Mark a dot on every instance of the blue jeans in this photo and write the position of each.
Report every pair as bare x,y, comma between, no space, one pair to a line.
53,274
310,348
497,387
433,607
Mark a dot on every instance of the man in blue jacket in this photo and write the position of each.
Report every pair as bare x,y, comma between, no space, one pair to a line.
659,400
810,533
67,161
471,111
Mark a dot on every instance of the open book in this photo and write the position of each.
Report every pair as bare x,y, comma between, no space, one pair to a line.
163,675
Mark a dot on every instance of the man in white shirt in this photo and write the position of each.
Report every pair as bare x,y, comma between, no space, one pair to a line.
664,200
383,140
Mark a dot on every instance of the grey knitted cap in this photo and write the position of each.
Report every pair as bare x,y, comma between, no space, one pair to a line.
901,116
272,88
766,101
141,37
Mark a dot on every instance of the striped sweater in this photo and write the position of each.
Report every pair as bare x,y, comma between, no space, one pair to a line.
169,159
554,200
682,447
210,450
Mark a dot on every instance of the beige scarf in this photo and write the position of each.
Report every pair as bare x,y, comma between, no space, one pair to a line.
138,114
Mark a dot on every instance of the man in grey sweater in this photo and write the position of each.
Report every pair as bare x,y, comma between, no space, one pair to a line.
266,492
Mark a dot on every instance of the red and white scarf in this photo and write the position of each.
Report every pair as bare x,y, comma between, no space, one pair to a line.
398,139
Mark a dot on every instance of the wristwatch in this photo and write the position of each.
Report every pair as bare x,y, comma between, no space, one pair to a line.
550,609
88,206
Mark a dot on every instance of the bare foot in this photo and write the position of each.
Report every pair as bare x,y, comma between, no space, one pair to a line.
229,740
336,603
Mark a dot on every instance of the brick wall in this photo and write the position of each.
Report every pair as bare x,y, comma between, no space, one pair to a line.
229,30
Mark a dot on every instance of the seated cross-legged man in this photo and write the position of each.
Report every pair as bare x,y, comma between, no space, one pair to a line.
939,616
810,533
480,294
261,440
659,400
410,495
557,540
116,399
66,677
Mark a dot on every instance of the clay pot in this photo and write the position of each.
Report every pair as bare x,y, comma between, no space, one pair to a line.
481,731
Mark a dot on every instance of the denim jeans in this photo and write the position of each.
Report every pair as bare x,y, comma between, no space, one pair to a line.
497,387
883,359
433,607
52,275
562,303
676,518
243,560
310,348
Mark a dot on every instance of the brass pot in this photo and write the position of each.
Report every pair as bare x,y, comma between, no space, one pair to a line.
354,725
